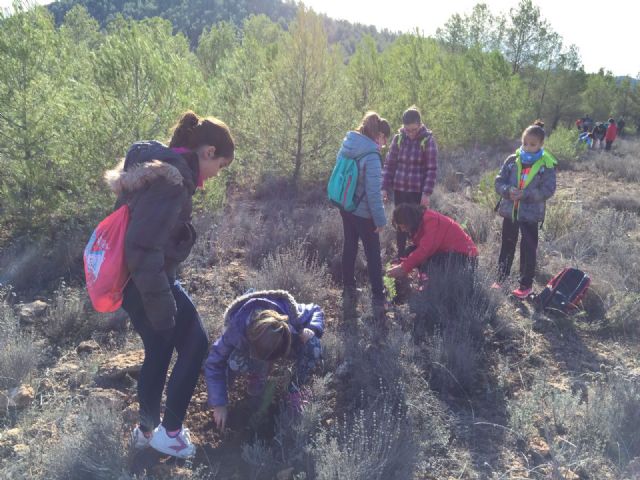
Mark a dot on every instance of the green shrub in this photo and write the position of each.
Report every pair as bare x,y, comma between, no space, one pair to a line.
485,193
562,144
624,315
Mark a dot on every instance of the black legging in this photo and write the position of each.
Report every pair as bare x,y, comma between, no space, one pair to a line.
188,338
356,228
528,250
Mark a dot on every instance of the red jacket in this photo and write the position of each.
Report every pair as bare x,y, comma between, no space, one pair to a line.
438,234
612,132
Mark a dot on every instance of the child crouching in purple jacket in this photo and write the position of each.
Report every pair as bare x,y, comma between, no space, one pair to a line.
261,327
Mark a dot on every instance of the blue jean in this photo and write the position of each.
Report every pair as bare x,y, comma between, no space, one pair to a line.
306,355
188,338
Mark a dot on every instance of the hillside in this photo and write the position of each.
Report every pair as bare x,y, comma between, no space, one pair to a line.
194,16
493,390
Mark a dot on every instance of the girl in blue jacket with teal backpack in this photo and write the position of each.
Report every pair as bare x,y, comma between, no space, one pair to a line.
525,182
368,219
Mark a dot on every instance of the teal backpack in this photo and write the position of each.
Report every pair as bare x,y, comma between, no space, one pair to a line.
341,188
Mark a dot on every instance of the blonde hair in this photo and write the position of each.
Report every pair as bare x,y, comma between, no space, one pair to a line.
269,335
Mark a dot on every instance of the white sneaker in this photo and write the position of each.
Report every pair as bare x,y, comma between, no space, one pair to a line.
138,440
180,446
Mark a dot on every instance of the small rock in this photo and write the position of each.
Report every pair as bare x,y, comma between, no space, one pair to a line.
568,474
46,386
106,397
13,434
117,367
286,474
21,450
88,346
539,445
28,312
66,369
131,414
21,397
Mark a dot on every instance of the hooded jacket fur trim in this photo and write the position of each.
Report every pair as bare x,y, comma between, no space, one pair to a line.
272,294
140,175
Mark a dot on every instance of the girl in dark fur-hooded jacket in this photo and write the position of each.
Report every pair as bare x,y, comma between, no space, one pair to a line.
158,182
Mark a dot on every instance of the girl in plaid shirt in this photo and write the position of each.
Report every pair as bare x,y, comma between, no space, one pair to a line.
411,166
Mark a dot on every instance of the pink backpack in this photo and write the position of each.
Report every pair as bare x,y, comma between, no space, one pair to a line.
105,268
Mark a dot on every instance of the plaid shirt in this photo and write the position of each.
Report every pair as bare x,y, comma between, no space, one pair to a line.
410,167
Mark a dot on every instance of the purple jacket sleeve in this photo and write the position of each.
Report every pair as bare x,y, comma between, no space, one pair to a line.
390,165
430,156
215,368
310,316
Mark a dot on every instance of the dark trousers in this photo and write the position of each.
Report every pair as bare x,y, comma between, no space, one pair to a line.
449,262
398,198
608,144
528,249
358,228
188,338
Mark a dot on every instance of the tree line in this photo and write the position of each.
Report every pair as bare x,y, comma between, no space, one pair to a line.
74,93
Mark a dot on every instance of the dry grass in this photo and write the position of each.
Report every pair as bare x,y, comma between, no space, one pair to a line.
18,354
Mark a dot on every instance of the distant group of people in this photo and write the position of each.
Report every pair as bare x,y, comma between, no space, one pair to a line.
157,182
598,135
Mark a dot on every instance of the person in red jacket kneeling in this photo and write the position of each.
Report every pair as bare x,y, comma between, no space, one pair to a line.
439,241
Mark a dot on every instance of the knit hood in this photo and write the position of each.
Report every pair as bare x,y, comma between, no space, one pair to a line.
355,144
264,299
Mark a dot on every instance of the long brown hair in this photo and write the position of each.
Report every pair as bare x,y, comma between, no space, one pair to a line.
269,335
193,132
373,125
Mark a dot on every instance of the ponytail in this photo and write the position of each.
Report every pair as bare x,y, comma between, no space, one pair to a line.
193,132
183,130
536,129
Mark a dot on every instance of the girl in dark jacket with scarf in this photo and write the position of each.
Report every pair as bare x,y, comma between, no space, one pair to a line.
525,182
158,182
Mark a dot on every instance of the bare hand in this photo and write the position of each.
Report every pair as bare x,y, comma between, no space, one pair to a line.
396,272
515,193
306,335
220,416
424,200
378,230
385,196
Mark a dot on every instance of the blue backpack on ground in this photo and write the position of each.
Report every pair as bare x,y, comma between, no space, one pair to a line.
343,182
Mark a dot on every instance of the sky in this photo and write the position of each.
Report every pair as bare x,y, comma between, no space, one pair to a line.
589,24
606,32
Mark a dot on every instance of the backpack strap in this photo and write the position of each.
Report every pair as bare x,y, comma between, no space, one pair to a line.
364,170
423,142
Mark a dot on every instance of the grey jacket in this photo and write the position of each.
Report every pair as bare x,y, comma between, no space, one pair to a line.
532,205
